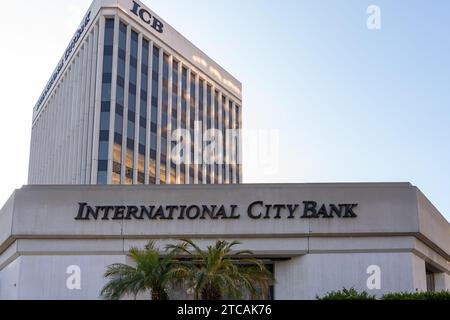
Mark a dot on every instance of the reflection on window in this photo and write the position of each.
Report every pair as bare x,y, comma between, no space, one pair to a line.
120,94
208,156
216,142
224,136
238,126
183,121
192,127
154,115
137,118
132,91
164,120
143,113
102,173
174,120
201,112
231,141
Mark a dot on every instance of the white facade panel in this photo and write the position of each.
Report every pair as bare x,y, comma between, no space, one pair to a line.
317,274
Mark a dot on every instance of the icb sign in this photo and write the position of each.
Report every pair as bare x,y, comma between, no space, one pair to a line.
147,17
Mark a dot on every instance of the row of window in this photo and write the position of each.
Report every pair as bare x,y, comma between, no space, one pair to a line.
203,100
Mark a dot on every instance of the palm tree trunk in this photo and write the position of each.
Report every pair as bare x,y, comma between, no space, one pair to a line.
197,294
211,293
159,295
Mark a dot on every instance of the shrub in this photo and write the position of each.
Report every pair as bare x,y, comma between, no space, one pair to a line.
347,294
353,294
443,295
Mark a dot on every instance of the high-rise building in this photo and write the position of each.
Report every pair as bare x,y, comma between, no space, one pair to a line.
134,102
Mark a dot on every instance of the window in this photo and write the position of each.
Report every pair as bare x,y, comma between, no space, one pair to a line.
132,92
120,94
174,120
201,112
216,142
143,112
192,127
237,143
208,157
184,87
154,115
231,148
431,278
224,136
164,120
102,174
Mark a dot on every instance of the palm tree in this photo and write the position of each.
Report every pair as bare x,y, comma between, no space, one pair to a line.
152,273
218,273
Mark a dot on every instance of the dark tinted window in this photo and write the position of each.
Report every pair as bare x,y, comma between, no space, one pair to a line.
102,174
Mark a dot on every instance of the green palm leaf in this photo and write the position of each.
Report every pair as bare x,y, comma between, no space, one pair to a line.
218,272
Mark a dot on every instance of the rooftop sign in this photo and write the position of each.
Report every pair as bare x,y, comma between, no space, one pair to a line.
67,55
147,17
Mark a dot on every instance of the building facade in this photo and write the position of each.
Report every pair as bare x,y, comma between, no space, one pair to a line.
380,238
133,102
136,138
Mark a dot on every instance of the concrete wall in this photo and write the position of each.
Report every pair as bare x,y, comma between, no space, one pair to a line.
433,225
41,238
9,281
442,282
49,275
316,274
6,222
45,277
51,210
418,274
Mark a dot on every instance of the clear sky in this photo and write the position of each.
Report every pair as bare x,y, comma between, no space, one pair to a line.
350,104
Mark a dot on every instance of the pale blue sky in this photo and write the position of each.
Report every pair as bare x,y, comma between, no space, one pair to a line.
352,105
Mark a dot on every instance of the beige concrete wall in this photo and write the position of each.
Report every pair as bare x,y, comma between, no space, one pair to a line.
317,274
433,225
41,238
50,210
6,222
